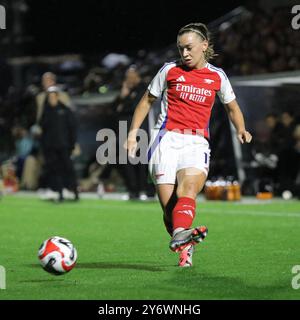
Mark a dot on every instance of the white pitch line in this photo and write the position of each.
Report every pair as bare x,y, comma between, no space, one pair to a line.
203,211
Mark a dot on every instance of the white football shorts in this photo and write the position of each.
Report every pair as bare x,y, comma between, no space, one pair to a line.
170,151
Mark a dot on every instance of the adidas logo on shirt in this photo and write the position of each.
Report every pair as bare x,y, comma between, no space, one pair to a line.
181,79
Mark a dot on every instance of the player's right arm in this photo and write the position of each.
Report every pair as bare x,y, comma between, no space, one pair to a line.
140,113
155,89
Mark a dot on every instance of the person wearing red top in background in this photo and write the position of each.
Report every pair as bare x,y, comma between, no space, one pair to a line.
179,149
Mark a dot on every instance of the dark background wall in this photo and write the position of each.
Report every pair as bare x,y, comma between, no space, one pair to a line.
113,25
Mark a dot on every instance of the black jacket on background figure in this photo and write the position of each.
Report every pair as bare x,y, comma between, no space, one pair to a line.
59,128
135,176
58,139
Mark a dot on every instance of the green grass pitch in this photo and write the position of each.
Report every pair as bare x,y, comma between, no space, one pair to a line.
123,251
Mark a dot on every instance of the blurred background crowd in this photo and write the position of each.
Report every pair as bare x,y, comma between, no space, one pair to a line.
69,97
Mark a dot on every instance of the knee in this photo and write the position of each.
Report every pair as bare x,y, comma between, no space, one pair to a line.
188,189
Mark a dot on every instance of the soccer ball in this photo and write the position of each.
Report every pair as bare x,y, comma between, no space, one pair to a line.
57,255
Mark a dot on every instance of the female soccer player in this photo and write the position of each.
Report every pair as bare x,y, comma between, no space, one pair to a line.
179,150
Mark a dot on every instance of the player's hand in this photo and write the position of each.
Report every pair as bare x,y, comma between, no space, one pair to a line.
131,146
244,136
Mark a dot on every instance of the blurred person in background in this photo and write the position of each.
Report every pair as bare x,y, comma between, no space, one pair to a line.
267,149
23,147
295,158
135,176
288,122
275,128
179,151
35,162
49,80
288,165
58,140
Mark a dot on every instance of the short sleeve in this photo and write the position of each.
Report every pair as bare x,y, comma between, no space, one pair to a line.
159,82
226,93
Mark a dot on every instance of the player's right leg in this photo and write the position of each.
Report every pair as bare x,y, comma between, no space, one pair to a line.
186,237
168,199
190,183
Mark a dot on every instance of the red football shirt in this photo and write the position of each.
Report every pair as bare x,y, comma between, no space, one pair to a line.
188,95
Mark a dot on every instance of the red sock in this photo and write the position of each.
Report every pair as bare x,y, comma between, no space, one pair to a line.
184,213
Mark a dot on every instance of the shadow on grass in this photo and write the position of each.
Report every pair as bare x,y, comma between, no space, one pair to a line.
111,265
207,286
118,265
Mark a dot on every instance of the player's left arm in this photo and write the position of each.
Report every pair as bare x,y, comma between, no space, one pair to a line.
236,117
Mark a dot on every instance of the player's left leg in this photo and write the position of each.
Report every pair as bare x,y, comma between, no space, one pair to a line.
186,256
